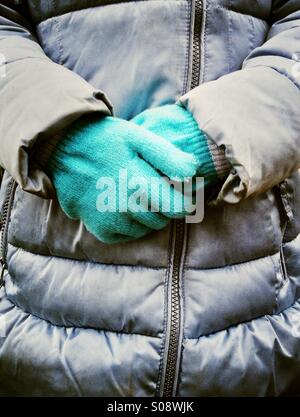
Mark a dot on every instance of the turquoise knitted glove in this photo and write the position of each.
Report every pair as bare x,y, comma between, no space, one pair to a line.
176,124
99,148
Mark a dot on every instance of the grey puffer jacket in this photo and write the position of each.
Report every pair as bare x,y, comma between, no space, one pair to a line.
194,310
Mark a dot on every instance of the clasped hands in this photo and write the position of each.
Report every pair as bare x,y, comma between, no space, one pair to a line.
86,165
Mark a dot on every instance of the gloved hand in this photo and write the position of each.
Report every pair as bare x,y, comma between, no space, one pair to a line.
174,123
93,148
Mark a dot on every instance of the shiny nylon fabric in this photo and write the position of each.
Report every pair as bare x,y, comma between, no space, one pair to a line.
84,318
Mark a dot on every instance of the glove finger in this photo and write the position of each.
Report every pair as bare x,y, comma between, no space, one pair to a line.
115,238
162,197
165,157
137,231
155,221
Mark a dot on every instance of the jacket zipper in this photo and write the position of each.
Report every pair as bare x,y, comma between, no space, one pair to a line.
7,205
179,237
285,218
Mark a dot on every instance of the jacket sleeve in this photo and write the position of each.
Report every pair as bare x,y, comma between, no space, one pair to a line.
255,112
38,98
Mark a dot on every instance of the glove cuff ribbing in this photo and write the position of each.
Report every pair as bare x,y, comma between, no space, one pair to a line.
213,164
45,151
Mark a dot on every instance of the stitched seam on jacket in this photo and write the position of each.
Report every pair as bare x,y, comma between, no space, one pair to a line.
158,268
243,262
166,286
184,269
15,305
94,6
215,6
57,23
188,45
155,268
230,43
28,59
252,34
277,270
266,316
203,46
296,86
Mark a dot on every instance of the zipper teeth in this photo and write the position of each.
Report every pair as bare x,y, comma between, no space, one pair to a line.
195,79
4,223
180,228
284,271
284,221
175,313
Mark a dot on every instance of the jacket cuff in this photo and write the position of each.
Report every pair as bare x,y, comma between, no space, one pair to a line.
213,164
235,112
44,151
221,163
